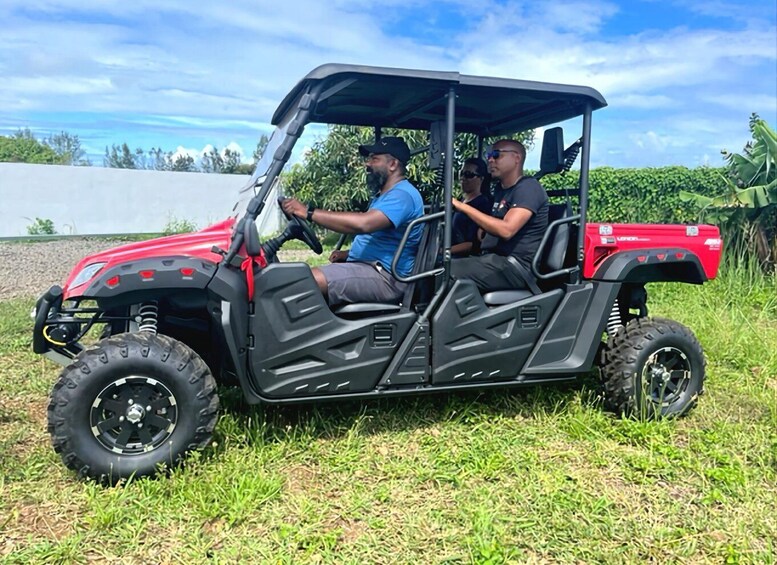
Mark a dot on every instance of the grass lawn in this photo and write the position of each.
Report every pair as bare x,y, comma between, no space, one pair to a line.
533,475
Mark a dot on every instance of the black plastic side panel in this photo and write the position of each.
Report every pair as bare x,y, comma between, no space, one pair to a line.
652,265
228,306
474,342
572,337
411,363
301,348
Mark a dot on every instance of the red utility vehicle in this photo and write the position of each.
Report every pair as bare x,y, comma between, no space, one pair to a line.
183,313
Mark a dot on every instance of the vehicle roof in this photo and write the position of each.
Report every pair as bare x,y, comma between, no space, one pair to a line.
414,99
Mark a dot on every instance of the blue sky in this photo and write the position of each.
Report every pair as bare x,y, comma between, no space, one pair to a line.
681,77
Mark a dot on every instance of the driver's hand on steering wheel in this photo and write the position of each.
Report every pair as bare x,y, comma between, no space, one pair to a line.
294,207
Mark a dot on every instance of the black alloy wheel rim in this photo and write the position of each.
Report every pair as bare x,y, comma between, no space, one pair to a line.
665,375
133,415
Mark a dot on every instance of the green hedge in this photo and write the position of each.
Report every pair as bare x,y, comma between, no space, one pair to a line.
649,195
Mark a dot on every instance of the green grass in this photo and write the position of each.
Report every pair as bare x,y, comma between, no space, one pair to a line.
538,475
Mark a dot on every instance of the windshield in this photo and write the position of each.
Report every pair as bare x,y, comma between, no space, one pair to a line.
265,162
251,189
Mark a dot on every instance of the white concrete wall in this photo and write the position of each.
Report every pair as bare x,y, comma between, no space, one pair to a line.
98,200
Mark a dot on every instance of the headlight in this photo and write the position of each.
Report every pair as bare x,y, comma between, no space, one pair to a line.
86,273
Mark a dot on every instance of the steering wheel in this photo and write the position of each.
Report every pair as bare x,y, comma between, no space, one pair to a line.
301,230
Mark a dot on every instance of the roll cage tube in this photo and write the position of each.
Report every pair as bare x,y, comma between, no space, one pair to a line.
403,243
294,131
450,118
535,264
584,164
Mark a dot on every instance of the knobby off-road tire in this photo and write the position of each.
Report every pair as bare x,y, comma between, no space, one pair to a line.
131,404
652,368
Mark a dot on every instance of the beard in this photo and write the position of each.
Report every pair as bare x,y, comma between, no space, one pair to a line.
376,179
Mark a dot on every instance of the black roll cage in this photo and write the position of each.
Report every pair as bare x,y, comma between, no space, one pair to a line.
377,97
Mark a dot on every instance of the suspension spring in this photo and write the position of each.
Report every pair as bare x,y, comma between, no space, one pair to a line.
147,317
614,322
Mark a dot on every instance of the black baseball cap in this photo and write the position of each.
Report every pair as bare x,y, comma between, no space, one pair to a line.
394,146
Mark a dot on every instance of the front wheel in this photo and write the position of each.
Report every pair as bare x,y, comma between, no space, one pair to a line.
652,368
130,405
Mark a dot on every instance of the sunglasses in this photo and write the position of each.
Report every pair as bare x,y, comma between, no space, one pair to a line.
496,153
469,175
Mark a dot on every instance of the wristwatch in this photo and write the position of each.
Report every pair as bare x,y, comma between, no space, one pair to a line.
309,216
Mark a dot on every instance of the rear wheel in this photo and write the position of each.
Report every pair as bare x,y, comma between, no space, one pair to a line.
652,368
131,404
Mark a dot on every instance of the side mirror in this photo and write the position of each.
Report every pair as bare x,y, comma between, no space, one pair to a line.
251,238
552,157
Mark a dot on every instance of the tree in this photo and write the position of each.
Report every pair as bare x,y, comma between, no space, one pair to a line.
68,147
747,211
122,157
232,161
332,173
22,147
59,149
211,161
158,160
261,145
184,163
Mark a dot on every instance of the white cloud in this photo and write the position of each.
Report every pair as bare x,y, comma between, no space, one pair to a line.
211,73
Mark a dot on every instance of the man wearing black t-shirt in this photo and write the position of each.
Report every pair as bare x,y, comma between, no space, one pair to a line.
514,229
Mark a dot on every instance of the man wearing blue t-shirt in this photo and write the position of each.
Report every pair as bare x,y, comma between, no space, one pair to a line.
363,274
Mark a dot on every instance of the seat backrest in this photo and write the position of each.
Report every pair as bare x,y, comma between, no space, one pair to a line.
555,251
424,260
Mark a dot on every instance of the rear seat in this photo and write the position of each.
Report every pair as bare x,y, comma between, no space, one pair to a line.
549,258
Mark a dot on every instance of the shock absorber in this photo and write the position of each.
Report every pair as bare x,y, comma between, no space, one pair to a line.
147,317
614,322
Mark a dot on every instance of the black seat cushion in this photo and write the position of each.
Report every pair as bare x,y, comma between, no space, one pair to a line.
425,256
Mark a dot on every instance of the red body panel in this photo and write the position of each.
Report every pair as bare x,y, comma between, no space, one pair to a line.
197,244
604,240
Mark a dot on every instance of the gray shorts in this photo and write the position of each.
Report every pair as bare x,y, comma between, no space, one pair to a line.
361,282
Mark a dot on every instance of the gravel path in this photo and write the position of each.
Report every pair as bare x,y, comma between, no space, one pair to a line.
28,269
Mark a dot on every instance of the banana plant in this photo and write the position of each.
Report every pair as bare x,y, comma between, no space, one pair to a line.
747,211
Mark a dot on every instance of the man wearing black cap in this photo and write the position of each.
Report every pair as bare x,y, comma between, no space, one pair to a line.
363,274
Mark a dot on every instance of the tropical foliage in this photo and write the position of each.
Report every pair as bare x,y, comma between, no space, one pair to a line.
332,173
747,210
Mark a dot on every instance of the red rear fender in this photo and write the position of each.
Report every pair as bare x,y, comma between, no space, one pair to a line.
646,252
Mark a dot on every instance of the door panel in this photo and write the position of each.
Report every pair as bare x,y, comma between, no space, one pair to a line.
472,342
300,348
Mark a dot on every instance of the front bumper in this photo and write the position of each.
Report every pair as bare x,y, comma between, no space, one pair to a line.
47,313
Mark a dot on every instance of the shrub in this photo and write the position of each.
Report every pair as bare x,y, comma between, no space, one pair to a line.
41,226
174,226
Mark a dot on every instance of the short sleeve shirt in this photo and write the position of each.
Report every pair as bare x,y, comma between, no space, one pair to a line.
464,229
526,193
401,204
